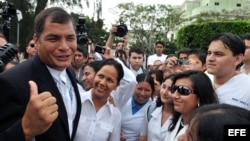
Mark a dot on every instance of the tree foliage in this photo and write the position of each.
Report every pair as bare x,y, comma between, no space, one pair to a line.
149,23
224,15
197,35
30,8
207,24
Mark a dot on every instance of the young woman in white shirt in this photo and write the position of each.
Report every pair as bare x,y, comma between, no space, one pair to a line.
158,117
190,89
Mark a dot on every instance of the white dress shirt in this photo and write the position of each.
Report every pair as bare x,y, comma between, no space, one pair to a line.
126,88
67,92
152,58
174,134
104,125
153,128
132,123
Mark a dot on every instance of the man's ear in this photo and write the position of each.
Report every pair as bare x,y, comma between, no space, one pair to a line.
35,39
238,59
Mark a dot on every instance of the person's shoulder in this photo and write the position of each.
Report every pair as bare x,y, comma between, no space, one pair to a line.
242,76
165,55
152,55
145,71
86,95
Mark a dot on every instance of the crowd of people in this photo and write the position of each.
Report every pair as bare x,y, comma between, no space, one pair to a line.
60,92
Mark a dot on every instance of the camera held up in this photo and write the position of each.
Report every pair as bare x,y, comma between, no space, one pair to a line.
122,30
181,62
82,36
7,54
7,13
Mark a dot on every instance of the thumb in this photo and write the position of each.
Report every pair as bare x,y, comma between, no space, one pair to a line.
33,89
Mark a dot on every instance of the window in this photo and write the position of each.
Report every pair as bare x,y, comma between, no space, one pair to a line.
238,5
216,3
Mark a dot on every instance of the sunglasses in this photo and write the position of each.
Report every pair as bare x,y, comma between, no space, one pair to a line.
32,45
183,90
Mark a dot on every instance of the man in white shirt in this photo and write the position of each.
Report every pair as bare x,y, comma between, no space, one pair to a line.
225,52
159,47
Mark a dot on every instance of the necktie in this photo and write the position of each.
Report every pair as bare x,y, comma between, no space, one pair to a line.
67,91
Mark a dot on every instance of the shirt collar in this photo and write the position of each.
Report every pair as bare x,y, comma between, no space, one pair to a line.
87,96
58,75
135,107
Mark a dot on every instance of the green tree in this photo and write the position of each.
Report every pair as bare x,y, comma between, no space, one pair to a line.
224,15
197,35
30,8
149,23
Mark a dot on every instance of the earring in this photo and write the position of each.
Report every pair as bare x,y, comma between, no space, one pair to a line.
198,105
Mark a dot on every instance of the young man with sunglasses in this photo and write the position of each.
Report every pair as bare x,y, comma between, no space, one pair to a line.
225,53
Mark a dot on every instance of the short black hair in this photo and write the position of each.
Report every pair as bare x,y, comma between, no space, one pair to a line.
232,41
138,50
55,15
246,36
160,42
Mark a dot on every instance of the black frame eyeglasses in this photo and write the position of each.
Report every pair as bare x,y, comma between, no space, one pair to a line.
183,90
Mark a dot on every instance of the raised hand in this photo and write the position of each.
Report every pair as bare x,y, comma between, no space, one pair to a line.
40,113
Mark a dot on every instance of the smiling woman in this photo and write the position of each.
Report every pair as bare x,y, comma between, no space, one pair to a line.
190,90
134,110
100,120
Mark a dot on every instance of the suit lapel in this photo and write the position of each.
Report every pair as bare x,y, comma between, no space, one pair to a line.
46,82
78,101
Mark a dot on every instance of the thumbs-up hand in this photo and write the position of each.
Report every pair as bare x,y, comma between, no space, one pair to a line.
40,113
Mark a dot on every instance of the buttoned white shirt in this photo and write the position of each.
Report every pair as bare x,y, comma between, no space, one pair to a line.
153,128
174,134
104,125
67,92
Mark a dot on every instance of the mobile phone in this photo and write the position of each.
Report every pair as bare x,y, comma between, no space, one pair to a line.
99,49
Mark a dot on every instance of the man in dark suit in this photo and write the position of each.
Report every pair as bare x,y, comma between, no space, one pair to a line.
48,112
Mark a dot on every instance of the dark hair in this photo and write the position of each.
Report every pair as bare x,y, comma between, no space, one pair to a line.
119,54
120,41
138,50
146,77
200,54
202,87
183,50
246,36
171,55
94,65
158,100
159,42
158,75
80,50
112,62
232,41
219,115
54,15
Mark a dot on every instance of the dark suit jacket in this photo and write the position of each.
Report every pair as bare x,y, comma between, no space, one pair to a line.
14,96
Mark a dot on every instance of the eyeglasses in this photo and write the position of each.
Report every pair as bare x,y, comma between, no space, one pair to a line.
32,45
183,90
